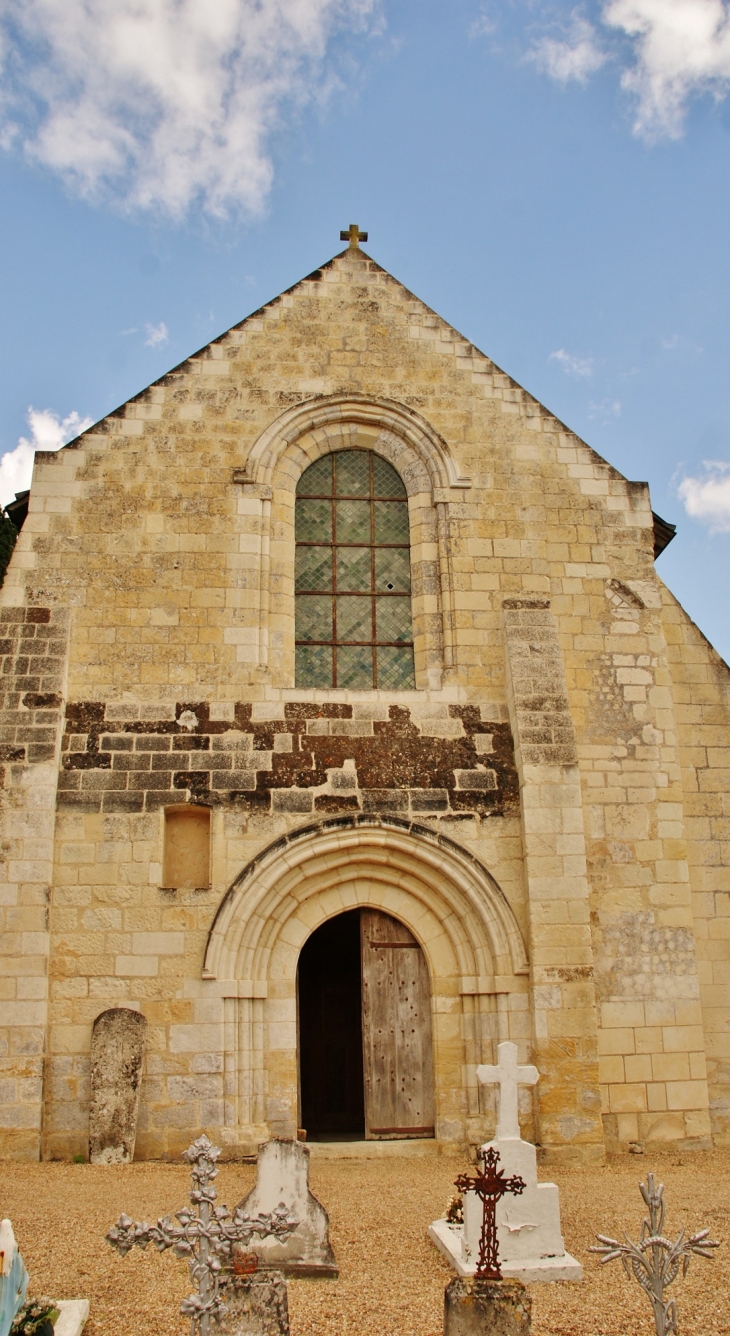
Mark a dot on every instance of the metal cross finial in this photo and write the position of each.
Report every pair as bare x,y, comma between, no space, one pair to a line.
353,236
204,1239
654,1261
490,1184
508,1075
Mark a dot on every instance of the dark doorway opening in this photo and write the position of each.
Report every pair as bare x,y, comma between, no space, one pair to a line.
330,1031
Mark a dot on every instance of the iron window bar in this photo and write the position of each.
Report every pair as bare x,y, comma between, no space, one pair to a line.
330,586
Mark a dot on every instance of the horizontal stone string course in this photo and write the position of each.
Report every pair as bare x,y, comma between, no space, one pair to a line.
314,758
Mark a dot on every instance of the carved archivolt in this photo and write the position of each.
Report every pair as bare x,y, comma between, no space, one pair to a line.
432,479
410,431
456,911
447,898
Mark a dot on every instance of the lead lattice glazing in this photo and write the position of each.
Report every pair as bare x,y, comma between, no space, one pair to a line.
353,605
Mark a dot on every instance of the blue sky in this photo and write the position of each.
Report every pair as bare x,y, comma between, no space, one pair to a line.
552,180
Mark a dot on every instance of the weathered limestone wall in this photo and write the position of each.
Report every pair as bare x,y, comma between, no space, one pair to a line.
701,693
167,530
561,952
651,1038
33,650
180,572
121,938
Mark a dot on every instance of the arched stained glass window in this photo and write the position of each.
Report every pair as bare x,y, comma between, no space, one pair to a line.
353,575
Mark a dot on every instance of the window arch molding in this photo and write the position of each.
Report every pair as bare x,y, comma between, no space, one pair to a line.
427,445
431,478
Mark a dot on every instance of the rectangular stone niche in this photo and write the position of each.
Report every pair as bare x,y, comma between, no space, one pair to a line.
186,862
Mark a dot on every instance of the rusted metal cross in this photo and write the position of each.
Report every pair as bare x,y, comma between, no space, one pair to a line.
489,1184
353,236
205,1236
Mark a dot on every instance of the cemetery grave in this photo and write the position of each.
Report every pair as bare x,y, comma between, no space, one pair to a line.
25,1312
206,1237
527,1231
391,1277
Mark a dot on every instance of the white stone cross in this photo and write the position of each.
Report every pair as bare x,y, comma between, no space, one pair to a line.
508,1076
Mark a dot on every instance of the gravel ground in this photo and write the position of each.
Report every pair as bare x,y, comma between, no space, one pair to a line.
392,1279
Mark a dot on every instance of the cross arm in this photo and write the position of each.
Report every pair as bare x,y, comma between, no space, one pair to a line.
516,1185
127,1234
222,1231
491,1075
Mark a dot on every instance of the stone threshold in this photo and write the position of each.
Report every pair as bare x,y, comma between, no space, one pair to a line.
416,1148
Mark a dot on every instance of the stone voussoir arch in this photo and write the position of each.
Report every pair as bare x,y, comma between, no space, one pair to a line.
333,411
438,882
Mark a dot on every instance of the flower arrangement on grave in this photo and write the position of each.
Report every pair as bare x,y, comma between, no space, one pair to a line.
35,1318
454,1210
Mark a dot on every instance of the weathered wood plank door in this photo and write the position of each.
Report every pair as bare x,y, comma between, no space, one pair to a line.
396,1024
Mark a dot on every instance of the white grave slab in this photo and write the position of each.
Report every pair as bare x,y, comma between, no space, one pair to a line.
283,1176
531,1246
73,1317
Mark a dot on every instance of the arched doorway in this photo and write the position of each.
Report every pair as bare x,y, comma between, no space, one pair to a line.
364,1021
454,909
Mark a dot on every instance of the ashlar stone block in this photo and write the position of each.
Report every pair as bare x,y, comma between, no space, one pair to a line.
476,1307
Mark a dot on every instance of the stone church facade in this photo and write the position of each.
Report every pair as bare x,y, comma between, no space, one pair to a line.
433,686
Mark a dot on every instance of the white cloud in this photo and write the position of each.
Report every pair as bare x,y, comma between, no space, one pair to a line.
156,334
484,25
159,104
574,55
606,410
682,48
707,498
572,366
48,431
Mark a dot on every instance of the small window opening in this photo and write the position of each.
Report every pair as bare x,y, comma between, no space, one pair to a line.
186,861
353,575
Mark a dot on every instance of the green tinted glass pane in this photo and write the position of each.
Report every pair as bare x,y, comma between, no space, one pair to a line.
352,470
393,569
317,479
355,619
313,521
314,568
353,521
313,666
386,482
391,522
395,669
313,617
355,666
353,568
393,619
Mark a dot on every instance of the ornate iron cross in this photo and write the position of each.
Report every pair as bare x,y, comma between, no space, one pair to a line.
655,1261
205,1238
490,1184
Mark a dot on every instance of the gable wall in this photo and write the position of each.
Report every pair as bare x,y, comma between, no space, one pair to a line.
167,565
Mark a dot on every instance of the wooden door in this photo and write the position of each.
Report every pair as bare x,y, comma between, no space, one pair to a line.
396,1024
